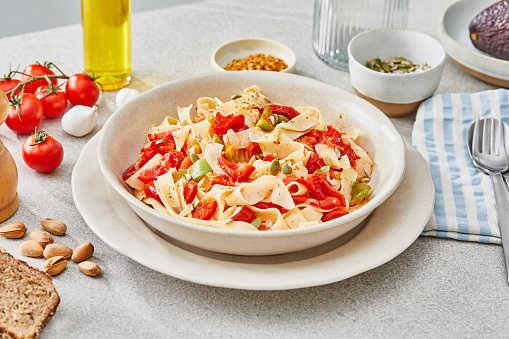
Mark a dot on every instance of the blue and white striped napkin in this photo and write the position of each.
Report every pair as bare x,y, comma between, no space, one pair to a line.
464,200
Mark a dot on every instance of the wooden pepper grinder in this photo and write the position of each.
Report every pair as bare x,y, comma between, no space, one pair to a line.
8,171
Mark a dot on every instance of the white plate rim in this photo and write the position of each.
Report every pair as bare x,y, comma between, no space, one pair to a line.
182,264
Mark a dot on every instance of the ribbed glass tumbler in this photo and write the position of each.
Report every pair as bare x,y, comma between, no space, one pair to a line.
336,22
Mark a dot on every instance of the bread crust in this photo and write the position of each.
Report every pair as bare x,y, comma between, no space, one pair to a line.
49,309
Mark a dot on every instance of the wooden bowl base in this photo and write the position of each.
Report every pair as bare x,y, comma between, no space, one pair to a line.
9,210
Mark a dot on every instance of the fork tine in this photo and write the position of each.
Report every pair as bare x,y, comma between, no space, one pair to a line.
486,137
476,146
500,139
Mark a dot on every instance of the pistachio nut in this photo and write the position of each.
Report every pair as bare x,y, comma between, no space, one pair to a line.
14,231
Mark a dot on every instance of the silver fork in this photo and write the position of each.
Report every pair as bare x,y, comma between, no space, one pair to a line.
488,151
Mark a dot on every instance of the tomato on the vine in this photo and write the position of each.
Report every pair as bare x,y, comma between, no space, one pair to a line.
8,84
82,90
36,70
53,100
42,152
26,114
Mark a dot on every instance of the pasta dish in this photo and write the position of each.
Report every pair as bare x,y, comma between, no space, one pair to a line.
250,164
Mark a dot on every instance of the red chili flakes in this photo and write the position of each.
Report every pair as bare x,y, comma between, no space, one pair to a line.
257,62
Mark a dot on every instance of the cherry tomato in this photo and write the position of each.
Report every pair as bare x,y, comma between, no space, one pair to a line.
7,85
53,100
333,215
205,210
42,152
238,172
36,70
190,189
245,215
218,179
151,192
29,116
81,90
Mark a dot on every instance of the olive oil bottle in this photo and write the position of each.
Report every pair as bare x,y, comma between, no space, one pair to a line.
107,41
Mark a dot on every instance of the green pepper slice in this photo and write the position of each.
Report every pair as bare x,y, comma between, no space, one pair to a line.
265,125
199,169
359,192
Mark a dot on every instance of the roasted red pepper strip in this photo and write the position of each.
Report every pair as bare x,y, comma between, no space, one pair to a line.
253,149
145,157
333,215
311,138
151,192
190,189
218,179
314,163
245,215
205,210
287,111
227,122
159,146
171,159
265,205
320,188
299,199
332,138
238,172
269,157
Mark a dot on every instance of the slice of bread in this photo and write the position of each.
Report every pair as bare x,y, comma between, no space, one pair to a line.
28,299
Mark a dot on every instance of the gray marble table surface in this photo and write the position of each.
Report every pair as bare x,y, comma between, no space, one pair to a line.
436,288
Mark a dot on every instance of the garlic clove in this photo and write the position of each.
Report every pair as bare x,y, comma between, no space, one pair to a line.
125,95
79,120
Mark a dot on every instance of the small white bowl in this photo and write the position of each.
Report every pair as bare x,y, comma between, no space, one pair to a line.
240,49
395,94
124,134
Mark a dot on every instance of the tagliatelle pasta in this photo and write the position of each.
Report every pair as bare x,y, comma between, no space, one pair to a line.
250,164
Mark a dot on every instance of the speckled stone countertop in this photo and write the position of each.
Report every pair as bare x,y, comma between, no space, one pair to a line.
436,288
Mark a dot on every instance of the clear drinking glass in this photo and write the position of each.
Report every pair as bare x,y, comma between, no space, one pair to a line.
336,22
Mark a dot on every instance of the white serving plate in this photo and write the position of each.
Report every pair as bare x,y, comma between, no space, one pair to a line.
390,229
454,36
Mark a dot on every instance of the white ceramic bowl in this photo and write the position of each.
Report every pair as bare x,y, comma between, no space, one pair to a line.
242,48
124,134
395,94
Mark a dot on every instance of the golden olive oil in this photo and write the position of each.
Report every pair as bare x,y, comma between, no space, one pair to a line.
107,41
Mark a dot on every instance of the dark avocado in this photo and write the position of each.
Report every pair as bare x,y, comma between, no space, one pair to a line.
489,30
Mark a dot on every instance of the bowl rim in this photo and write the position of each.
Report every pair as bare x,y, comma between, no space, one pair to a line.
365,210
291,62
440,64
